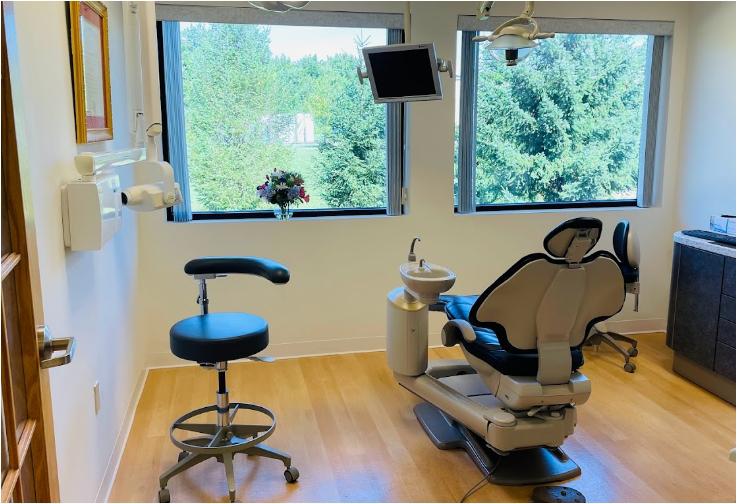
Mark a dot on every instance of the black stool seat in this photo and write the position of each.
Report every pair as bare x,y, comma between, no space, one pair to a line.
218,337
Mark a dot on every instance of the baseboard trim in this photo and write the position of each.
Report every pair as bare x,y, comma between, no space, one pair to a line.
103,494
295,350
641,326
374,344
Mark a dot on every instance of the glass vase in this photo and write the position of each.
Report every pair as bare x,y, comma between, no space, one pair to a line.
283,213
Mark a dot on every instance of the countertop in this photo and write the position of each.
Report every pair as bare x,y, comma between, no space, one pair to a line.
702,244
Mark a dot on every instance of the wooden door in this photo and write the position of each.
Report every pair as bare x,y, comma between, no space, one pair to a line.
28,454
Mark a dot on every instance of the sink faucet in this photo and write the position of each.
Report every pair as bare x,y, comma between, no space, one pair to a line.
423,264
411,257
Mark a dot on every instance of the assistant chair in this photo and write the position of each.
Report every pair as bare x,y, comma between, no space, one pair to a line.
213,339
627,248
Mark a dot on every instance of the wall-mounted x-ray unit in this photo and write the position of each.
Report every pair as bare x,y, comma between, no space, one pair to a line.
404,72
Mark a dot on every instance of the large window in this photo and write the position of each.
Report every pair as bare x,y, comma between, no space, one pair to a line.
568,126
258,97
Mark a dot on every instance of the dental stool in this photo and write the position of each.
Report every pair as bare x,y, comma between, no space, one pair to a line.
213,339
627,249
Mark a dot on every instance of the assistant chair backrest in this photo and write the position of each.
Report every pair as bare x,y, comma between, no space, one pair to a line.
627,248
547,305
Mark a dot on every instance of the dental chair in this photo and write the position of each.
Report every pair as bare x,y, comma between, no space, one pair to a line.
627,248
213,339
512,402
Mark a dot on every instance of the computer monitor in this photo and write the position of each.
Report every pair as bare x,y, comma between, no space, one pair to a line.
403,72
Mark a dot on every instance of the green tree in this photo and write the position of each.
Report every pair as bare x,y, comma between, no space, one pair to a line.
564,125
234,107
351,129
241,102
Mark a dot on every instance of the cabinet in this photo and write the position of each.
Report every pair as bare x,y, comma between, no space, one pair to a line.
701,312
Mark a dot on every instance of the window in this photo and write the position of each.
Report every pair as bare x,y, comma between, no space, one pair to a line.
243,99
573,125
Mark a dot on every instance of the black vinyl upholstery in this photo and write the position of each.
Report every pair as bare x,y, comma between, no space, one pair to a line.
620,245
486,347
270,270
218,337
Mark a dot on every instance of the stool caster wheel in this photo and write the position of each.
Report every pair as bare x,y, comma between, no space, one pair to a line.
633,352
630,367
164,495
291,474
182,455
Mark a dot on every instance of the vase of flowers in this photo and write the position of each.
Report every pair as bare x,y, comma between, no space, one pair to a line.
285,190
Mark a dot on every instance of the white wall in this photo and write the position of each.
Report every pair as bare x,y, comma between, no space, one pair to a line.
706,180
88,295
343,268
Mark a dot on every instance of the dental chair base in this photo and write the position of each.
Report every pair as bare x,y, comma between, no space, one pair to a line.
524,467
483,421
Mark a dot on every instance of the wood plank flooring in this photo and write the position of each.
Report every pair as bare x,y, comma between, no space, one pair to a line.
650,436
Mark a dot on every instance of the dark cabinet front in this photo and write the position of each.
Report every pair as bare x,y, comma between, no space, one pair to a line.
702,306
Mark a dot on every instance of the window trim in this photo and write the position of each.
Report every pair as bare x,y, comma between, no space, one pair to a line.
652,132
396,149
558,205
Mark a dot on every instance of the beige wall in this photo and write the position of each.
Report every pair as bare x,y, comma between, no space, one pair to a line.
706,182
343,268
121,301
88,295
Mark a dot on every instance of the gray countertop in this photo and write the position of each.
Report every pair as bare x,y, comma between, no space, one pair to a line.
702,244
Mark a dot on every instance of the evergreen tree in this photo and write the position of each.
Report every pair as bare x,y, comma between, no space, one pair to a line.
564,125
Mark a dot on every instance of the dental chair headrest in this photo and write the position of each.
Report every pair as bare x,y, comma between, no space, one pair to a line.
573,239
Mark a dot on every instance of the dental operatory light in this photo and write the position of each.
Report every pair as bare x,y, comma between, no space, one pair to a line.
279,6
515,39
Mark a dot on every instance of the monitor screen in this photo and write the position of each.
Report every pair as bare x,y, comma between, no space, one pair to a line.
403,73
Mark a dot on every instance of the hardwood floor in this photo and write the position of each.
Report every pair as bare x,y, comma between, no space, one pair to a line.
650,436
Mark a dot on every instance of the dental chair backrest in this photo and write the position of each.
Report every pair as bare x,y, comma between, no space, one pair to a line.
547,305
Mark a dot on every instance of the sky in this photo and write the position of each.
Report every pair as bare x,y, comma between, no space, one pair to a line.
295,42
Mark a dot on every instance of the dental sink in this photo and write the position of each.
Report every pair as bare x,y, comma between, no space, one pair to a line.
426,282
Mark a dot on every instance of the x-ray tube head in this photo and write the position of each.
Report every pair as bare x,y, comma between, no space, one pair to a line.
149,197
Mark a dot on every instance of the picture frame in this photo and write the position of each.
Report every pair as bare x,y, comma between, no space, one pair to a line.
88,40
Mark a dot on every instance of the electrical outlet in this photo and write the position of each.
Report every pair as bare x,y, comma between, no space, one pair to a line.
96,390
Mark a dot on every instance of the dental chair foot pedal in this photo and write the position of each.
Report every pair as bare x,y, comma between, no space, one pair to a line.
532,466
557,494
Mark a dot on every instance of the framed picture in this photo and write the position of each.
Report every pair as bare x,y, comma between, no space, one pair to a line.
88,37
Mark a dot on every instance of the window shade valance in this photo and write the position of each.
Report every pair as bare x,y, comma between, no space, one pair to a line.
251,15
576,25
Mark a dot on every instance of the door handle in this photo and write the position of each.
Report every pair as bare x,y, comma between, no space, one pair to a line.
47,345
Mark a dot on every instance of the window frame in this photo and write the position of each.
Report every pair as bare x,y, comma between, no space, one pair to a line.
396,113
651,134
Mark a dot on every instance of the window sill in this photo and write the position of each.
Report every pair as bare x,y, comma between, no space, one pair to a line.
523,208
306,215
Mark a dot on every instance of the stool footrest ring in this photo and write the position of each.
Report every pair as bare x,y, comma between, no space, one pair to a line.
222,439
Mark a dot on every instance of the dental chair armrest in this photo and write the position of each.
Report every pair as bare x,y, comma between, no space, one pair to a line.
454,330
270,270
440,305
